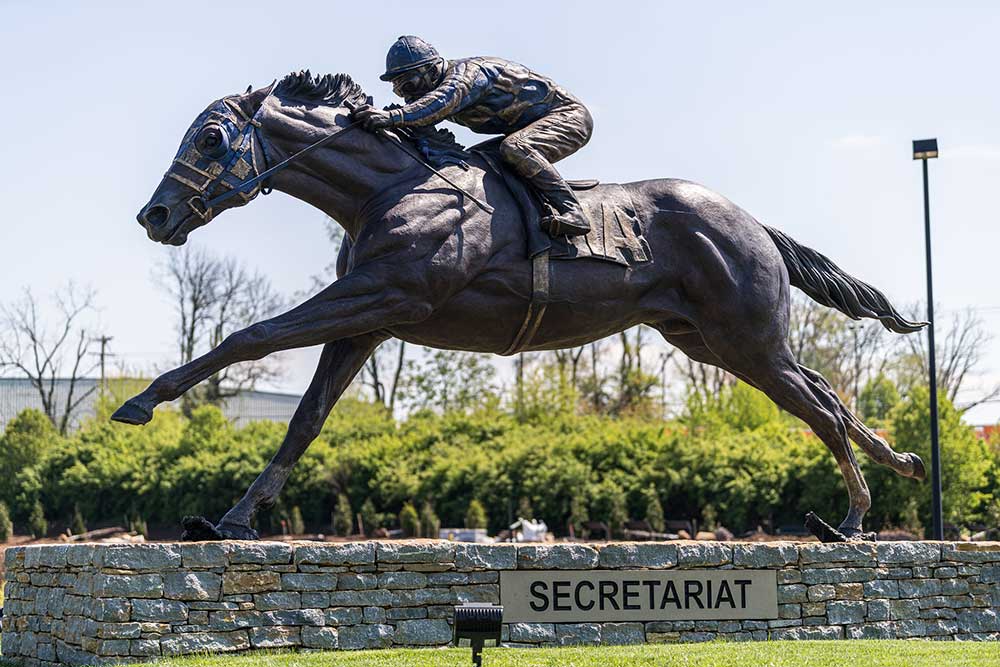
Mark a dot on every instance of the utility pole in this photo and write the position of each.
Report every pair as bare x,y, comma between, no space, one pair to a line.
103,354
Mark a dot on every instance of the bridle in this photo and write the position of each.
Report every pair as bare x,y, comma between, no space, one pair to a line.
241,161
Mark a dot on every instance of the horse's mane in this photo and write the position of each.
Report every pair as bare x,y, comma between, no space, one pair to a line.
335,89
328,89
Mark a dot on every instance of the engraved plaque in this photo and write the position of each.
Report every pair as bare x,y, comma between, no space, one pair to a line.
579,596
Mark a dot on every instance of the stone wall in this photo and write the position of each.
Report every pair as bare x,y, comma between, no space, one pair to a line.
86,604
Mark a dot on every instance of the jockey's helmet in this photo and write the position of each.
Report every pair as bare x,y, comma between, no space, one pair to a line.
408,52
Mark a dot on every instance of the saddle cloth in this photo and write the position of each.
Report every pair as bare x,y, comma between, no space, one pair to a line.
616,232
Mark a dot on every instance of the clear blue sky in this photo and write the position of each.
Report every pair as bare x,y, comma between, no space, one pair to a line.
802,115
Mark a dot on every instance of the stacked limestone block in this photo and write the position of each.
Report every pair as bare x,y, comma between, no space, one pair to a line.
91,604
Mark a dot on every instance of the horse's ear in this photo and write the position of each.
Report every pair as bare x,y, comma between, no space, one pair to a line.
251,100
249,88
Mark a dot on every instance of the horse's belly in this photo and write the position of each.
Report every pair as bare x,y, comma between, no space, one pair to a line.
467,323
588,300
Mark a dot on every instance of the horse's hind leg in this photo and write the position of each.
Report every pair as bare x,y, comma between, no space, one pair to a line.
771,368
906,464
787,386
338,364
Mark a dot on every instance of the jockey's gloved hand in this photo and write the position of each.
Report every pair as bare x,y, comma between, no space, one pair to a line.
372,119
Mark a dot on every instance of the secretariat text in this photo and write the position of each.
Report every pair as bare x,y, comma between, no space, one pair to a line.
637,595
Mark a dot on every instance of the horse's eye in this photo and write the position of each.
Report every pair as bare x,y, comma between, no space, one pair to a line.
212,141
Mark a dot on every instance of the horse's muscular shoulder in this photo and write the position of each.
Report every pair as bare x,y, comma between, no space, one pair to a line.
431,234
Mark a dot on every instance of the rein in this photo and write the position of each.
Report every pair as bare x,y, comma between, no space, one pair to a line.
215,174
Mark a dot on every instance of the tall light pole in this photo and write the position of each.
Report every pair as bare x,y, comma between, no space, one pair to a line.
923,150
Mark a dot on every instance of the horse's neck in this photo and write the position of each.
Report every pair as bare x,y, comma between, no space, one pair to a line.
342,177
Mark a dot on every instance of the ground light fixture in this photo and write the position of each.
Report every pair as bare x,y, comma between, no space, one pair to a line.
923,150
479,623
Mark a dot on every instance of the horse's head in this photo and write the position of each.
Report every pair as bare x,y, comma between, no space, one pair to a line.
223,153
220,150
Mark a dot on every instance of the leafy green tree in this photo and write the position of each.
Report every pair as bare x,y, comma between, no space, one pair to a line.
609,506
37,525
965,464
709,517
296,524
409,521
738,407
370,516
754,465
578,515
909,519
524,509
6,526
137,525
654,510
877,399
450,380
343,518
634,384
475,516
430,524
25,441
77,525
540,385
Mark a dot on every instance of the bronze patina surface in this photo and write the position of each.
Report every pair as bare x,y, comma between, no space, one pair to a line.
446,263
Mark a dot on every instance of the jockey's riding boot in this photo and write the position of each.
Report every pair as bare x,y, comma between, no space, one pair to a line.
568,217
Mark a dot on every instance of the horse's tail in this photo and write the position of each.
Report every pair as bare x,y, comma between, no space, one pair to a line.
828,284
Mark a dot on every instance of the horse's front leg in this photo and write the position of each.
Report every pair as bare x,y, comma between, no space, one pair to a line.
352,306
338,365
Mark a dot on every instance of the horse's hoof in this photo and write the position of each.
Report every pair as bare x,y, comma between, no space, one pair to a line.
823,531
856,534
199,529
232,531
919,472
132,413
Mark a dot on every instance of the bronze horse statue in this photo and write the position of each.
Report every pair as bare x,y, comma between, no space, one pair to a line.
439,259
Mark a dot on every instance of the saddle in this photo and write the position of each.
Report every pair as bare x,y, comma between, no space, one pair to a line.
616,232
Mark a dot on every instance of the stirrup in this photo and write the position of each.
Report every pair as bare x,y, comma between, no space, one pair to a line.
568,225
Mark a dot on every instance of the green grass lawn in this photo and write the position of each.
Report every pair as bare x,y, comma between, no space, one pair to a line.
919,653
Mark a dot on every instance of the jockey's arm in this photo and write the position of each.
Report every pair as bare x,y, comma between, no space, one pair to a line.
461,87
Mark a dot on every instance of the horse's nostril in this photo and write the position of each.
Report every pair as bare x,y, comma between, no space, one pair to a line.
154,216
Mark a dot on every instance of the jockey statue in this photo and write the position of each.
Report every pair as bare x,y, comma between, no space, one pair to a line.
542,122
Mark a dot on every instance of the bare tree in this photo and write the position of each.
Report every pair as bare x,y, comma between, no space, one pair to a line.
569,360
50,356
214,297
665,356
960,346
385,365
190,278
702,379
594,384
847,353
